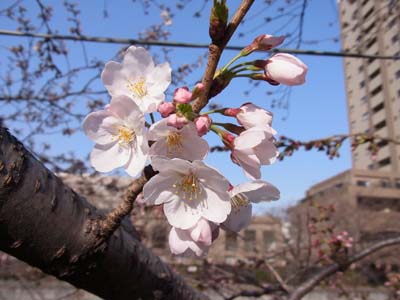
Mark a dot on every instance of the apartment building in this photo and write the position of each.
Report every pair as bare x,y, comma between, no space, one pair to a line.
373,85
367,196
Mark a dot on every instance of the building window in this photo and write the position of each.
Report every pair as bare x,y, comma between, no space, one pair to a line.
392,22
384,162
362,183
268,239
367,30
362,84
380,125
379,107
397,184
385,183
361,68
375,73
368,14
231,241
249,240
398,74
370,43
364,99
395,38
365,116
382,143
376,90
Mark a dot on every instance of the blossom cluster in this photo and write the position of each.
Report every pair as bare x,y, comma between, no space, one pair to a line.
197,199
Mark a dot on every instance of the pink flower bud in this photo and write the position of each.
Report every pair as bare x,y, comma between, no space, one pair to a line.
199,86
201,232
231,112
286,69
267,42
198,90
166,108
176,121
228,139
182,95
203,124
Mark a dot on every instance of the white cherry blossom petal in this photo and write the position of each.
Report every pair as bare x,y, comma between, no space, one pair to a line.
239,219
214,200
101,127
159,190
180,214
160,78
105,158
163,164
138,58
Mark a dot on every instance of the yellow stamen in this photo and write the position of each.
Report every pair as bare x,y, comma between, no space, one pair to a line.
125,135
138,88
188,187
239,200
174,142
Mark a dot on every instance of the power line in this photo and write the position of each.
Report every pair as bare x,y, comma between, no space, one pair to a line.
110,40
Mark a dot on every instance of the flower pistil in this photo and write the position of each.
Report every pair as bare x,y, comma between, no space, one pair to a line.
188,187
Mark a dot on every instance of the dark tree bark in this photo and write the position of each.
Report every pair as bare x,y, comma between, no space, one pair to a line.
46,224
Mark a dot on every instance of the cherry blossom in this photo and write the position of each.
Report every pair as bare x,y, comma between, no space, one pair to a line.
138,78
252,148
181,143
242,196
251,115
286,69
119,135
267,42
188,191
197,238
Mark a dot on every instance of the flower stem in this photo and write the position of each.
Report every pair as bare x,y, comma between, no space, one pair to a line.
231,62
214,111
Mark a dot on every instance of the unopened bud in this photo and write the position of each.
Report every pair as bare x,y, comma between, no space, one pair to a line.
182,95
166,108
203,124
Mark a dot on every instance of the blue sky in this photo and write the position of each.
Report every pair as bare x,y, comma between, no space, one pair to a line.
316,109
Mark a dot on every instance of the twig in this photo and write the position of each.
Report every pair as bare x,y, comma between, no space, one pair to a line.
216,51
114,218
328,271
277,277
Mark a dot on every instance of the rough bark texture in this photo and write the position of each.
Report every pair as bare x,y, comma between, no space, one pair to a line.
49,226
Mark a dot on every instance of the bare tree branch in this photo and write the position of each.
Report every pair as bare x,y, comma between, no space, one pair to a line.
215,54
308,285
47,225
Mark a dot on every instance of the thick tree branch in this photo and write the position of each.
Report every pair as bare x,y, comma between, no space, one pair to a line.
46,224
328,271
216,51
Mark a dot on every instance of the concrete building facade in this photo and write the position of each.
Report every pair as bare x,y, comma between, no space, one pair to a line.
373,85
368,195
